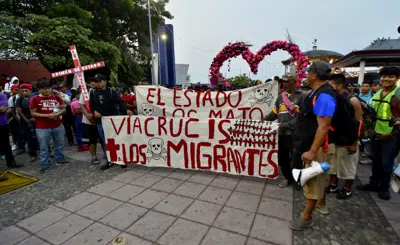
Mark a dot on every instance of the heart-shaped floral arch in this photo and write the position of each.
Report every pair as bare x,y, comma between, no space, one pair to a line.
241,48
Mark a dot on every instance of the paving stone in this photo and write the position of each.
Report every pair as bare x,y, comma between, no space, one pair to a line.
79,201
33,240
43,219
183,232
167,185
225,182
390,210
204,178
162,171
151,226
148,198
279,193
64,229
99,208
147,180
173,204
190,189
250,186
94,235
106,187
181,174
215,195
234,220
126,192
219,237
276,208
12,234
243,201
133,240
124,216
128,176
252,241
202,212
271,230
141,169
396,226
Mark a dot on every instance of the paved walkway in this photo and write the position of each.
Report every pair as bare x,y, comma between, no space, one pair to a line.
79,204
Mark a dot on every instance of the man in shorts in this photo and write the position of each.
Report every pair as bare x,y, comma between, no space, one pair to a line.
90,135
312,127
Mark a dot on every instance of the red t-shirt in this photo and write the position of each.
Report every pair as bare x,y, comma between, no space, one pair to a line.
46,105
129,99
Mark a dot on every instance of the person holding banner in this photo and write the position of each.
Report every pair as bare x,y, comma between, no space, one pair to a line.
104,101
285,110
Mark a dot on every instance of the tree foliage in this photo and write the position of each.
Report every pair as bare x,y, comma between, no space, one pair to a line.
240,81
112,30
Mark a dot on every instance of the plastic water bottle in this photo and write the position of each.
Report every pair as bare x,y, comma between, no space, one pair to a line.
56,109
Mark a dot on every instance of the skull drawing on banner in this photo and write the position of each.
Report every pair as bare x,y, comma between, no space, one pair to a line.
261,95
156,150
147,110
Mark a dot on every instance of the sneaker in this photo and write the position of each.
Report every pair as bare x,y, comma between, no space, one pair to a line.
284,184
299,224
367,187
332,188
44,169
32,159
124,166
14,148
384,195
106,166
344,194
63,162
95,161
82,149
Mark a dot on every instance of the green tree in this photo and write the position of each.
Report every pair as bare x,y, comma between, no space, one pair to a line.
112,30
240,81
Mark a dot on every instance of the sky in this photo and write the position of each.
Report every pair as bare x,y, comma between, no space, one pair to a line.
203,27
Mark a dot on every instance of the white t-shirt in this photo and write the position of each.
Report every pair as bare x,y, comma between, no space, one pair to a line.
12,105
84,118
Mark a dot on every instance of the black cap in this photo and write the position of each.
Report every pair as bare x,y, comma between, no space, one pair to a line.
321,68
376,81
43,84
99,78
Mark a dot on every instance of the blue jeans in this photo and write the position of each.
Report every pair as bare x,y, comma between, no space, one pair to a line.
44,136
78,128
384,154
100,130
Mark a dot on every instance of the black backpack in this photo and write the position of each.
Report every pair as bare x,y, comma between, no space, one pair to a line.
344,127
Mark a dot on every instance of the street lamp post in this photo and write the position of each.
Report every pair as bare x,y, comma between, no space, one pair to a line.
153,77
163,37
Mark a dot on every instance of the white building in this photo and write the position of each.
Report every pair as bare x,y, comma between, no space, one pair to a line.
182,75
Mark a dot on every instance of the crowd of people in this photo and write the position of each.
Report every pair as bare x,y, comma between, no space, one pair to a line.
327,119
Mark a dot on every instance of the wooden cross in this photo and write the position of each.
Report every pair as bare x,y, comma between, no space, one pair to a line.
78,70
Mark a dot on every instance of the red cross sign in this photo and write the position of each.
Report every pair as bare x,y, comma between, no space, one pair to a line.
79,72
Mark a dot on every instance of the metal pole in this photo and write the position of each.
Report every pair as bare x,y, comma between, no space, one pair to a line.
159,60
153,78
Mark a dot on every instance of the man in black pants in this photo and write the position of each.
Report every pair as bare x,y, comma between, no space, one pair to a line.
5,147
104,101
285,110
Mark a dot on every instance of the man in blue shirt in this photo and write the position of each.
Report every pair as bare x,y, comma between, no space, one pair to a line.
366,94
312,128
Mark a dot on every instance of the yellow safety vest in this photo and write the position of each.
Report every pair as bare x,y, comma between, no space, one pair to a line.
383,111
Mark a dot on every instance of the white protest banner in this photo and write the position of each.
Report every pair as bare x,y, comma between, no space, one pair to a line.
239,147
251,103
